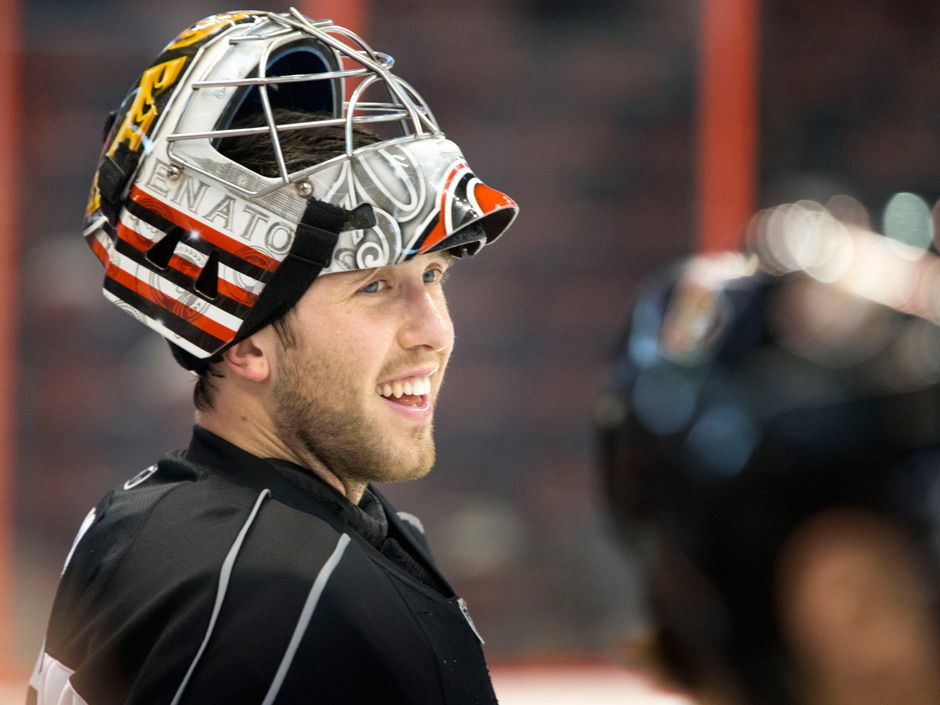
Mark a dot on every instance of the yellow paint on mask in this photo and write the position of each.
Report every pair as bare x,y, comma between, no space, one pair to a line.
139,118
203,29
94,198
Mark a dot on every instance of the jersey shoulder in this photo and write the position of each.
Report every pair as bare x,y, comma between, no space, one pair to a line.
172,555
174,525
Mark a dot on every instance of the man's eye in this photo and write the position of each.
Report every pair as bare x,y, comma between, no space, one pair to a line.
373,287
434,275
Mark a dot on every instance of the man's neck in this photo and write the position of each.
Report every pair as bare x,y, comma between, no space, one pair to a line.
257,436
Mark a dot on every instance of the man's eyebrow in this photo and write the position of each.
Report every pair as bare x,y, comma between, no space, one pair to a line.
362,276
446,255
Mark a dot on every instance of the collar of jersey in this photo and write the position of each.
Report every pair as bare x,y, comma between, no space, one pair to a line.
289,483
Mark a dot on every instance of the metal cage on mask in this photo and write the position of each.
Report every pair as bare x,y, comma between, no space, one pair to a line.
205,250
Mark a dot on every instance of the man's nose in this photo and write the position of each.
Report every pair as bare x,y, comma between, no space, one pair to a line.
426,322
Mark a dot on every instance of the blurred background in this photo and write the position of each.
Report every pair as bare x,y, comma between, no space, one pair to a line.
630,131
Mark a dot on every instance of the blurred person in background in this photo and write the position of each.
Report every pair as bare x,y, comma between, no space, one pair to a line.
288,234
769,439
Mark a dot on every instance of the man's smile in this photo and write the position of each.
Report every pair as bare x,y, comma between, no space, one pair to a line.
412,392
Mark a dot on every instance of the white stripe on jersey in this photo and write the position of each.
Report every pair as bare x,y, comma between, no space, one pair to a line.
51,682
86,525
224,576
313,597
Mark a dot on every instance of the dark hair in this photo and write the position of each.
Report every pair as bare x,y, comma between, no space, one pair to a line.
300,148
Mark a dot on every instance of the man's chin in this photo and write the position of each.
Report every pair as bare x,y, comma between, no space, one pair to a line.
403,469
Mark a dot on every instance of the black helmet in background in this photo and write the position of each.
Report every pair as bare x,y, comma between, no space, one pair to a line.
742,402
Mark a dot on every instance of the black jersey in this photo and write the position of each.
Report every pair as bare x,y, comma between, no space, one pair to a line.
219,577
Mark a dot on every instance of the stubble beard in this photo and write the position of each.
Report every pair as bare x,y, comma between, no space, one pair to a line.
325,422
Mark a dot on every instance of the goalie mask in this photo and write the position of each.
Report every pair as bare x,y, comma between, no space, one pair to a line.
204,249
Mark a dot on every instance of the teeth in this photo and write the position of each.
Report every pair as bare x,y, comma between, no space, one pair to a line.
418,386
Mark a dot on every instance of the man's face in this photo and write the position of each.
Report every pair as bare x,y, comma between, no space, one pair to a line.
356,385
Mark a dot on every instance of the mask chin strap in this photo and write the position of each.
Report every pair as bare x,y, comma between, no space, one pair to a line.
312,251
112,185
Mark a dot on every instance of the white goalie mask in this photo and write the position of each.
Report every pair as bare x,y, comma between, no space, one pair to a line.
206,250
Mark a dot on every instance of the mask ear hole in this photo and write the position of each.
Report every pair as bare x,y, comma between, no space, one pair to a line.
207,283
319,97
160,253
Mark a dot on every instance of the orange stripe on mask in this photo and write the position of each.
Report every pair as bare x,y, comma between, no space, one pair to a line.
180,264
173,306
99,250
208,233
489,199
440,230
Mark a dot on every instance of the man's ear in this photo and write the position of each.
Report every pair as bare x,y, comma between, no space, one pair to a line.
249,359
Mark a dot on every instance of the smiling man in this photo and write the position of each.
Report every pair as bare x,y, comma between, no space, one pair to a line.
347,379
289,236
